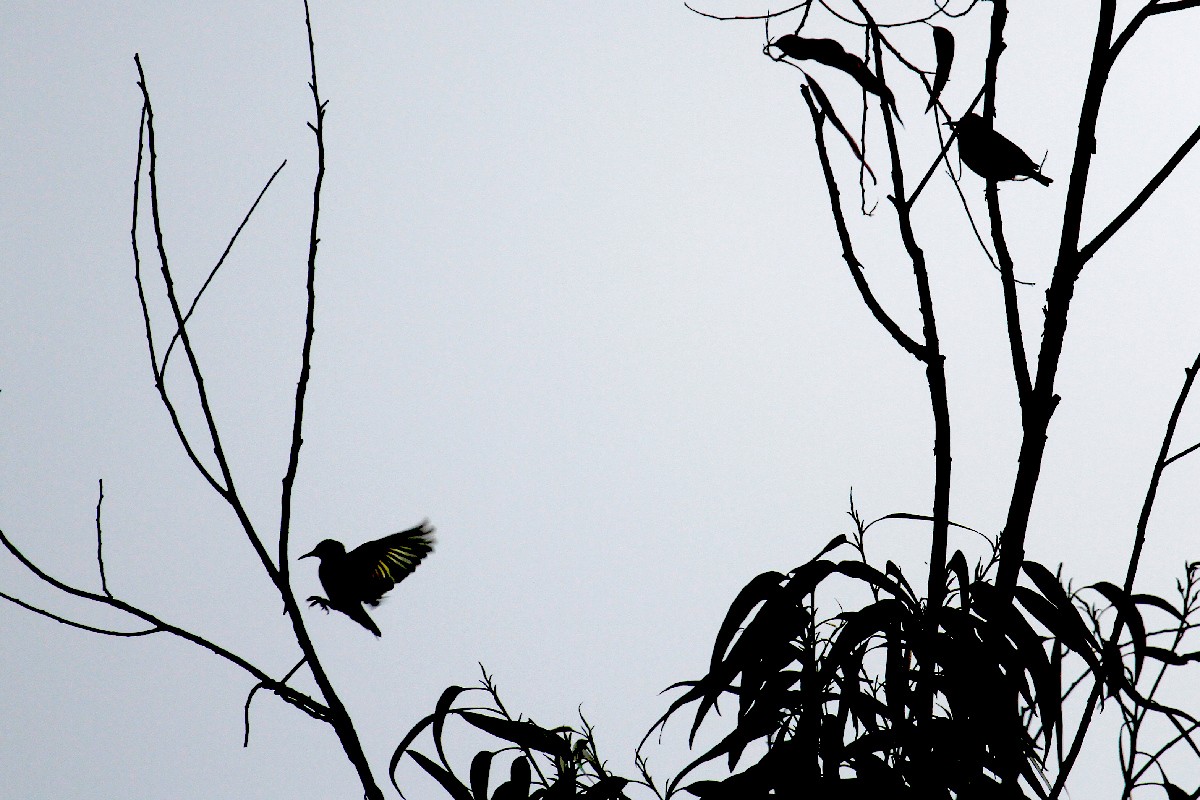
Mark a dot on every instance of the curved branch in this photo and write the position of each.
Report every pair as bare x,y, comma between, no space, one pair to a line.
856,271
261,685
227,491
296,698
72,623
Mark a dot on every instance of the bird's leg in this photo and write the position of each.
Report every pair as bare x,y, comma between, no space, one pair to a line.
319,602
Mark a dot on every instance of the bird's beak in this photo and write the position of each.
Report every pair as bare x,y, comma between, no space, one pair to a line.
308,555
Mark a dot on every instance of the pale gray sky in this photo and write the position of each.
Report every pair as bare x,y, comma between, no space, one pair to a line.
579,303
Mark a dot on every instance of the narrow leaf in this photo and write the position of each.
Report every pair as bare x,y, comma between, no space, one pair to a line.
1132,618
408,739
440,710
523,733
481,767
831,115
451,784
1157,602
943,48
958,565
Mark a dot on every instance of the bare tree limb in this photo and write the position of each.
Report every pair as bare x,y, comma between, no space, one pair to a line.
338,717
159,384
221,260
72,623
290,695
100,542
1156,476
1043,400
227,490
856,271
261,685
1092,247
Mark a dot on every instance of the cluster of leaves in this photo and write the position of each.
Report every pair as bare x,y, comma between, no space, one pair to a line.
548,764
890,698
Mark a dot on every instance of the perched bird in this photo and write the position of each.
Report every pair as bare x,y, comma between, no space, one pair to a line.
992,156
368,572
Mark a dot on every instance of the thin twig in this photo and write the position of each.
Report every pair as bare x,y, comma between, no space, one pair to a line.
1092,247
296,698
100,542
339,717
768,15
1155,478
255,688
225,489
856,271
72,623
221,260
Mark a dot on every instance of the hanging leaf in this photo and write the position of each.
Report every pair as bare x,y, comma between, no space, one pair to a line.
943,48
831,53
831,115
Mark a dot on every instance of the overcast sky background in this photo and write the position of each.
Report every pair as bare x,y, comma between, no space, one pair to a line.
580,304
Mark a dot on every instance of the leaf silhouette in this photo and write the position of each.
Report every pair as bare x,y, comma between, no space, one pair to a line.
481,766
831,115
943,48
451,784
831,53
523,734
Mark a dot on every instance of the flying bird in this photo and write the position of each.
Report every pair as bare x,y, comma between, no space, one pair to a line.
368,572
990,155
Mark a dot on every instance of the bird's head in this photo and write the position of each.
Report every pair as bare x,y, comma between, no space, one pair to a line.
327,548
969,122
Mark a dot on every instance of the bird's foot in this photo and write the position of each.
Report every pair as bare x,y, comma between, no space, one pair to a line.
319,602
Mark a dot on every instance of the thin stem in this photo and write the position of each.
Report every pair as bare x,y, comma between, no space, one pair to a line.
339,717
100,542
856,270
226,489
1092,247
221,260
1156,477
298,699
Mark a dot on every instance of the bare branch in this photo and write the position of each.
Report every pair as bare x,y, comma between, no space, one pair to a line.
1156,477
1151,9
290,695
856,270
159,384
221,260
100,543
1008,285
1102,238
768,15
338,717
1182,453
261,685
227,491
73,623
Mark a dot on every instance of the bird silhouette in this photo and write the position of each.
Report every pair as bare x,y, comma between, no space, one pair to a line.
368,572
990,155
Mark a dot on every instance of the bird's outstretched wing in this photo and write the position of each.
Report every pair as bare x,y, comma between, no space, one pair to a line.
387,561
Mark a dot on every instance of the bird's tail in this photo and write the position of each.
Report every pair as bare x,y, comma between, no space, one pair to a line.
359,615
